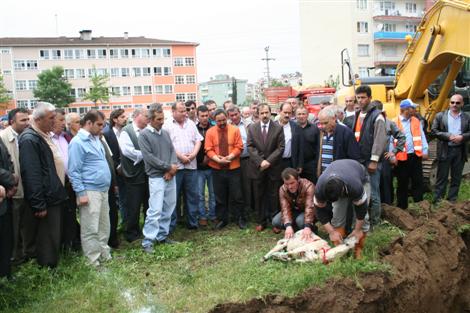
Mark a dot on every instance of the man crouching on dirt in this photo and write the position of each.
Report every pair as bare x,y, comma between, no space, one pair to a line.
297,210
343,181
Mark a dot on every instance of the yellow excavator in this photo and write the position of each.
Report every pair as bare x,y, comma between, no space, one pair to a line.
435,57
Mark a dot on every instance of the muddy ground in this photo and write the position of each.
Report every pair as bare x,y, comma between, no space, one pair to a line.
431,266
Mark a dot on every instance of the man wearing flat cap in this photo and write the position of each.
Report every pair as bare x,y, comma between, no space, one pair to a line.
410,159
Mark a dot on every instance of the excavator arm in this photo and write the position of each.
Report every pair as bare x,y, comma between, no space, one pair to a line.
442,39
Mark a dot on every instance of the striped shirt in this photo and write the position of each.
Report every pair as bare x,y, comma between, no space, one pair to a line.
326,151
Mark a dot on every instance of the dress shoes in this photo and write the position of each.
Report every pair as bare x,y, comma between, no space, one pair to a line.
220,225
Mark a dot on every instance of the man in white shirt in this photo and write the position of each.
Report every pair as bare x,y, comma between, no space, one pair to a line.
133,170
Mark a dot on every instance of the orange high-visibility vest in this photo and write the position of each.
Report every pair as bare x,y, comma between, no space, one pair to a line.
415,126
357,130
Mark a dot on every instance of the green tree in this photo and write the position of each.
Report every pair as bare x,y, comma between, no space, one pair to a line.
4,92
277,83
99,91
234,91
53,87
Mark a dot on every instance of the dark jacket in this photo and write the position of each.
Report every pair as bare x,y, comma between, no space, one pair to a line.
349,121
201,154
296,144
6,175
345,145
42,186
271,151
367,134
113,144
440,130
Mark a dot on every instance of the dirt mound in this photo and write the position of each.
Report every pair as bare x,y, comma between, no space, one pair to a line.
430,272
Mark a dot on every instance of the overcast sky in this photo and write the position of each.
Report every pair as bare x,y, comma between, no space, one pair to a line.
232,34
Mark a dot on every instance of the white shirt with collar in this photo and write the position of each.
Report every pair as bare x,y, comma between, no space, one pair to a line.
127,147
287,140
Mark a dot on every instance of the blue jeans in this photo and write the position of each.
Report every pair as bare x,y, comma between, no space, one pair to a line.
375,209
186,183
162,204
204,176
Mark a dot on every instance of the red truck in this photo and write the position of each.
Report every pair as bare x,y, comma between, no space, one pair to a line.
309,96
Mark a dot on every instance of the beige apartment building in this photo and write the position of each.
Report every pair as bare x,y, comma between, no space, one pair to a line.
372,31
141,70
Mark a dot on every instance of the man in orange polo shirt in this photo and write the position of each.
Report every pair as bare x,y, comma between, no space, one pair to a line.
223,146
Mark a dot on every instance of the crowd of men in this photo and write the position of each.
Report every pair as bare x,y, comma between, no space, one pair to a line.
206,165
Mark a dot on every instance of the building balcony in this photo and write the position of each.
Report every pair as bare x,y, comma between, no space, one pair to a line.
396,16
391,36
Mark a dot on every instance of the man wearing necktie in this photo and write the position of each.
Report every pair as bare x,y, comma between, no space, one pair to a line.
265,145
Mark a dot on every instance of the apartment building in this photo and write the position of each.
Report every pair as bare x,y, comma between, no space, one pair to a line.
372,31
220,89
141,70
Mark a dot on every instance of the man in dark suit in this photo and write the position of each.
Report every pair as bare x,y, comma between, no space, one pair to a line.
292,137
117,120
452,129
265,146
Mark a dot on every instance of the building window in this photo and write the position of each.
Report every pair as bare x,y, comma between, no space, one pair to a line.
179,79
116,107
124,53
157,71
387,6
114,53
102,72
138,106
115,72
362,27
178,62
147,90
20,85
126,91
145,53
101,53
137,71
91,72
410,7
32,84
32,104
125,72
135,53
72,92
390,27
363,50
191,96
361,4
56,54
80,73
19,65
44,54
411,28
363,72
168,88
72,110
180,97
83,110
190,79
127,106
159,89
32,64
115,91
81,92
5,51
166,53
68,54
91,53
79,54
23,104
146,71
6,72
157,53
137,90
69,73
189,61
166,71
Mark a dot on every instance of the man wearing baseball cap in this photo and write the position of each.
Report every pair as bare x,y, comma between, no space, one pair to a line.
410,159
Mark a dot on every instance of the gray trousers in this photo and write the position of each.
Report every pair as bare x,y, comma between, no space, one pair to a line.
340,210
454,163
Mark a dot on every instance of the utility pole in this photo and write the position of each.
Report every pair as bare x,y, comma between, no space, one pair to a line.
267,59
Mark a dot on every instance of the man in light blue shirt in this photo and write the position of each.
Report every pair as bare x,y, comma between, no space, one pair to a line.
90,177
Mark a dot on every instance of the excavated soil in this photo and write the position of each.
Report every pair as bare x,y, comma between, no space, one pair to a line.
430,273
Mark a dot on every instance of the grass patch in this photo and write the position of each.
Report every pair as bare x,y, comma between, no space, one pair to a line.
206,268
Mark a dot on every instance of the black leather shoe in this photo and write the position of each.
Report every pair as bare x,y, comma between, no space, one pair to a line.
220,225
167,241
242,223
